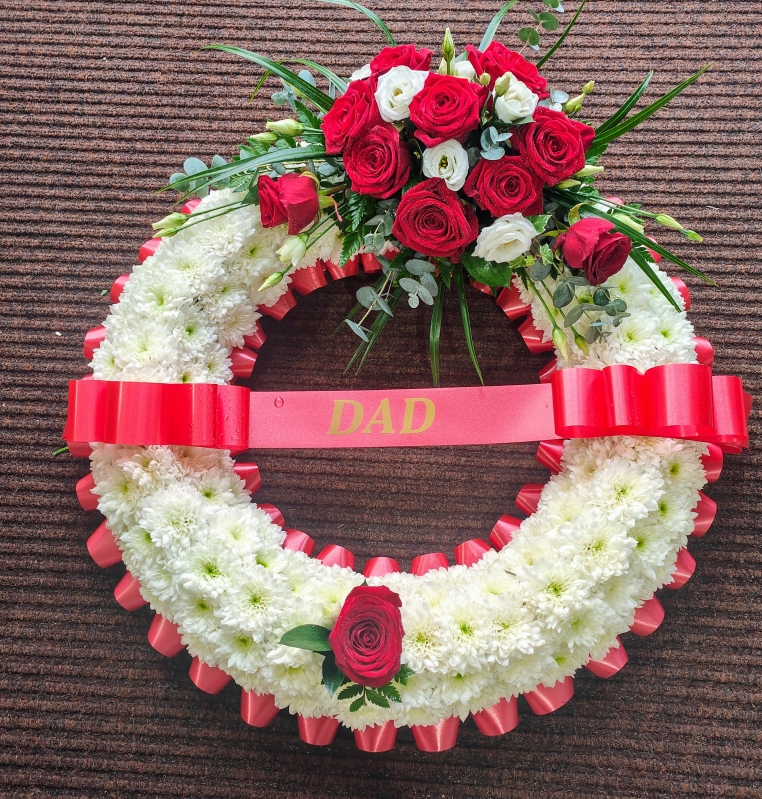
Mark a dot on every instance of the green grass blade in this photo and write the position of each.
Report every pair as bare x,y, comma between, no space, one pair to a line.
330,75
489,34
627,106
319,99
466,319
435,332
642,262
560,40
624,127
374,18
235,168
260,84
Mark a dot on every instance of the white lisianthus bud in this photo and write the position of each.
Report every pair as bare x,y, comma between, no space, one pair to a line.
293,250
448,161
588,170
515,100
266,137
273,280
286,127
505,239
361,74
396,90
172,221
560,342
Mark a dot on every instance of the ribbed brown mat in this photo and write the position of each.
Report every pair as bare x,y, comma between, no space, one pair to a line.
101,101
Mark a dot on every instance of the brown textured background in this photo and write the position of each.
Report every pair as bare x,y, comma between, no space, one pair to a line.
100,102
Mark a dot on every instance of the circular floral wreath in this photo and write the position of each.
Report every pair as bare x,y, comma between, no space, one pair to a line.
606,533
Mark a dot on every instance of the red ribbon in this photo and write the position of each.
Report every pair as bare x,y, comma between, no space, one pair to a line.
674,401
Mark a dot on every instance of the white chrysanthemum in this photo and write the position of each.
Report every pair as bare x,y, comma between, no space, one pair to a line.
555,590
624,491
595,547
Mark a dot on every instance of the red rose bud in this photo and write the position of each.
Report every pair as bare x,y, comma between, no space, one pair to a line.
594,245
350,115
403,55
497,59
367,637
446,108
553,146
505,186
291,198
378,163
432,220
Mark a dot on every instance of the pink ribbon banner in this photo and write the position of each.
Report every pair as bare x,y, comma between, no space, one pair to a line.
674,401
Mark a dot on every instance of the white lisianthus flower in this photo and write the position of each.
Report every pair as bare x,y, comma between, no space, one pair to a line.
361,74
515,100
448,161
460,69
505,239
396,90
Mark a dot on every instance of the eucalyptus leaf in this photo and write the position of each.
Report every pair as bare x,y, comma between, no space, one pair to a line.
574,315
413,300
539,271
601,297
383,305
409,285
428,282
425,295
563,295
418,267
193,166
357,330
366,296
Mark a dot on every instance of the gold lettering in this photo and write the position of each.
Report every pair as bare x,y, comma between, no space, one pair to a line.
407,422
338,410
382,416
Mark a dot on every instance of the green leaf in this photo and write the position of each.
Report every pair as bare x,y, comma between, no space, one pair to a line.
642,261
359,207
494,24
540,222
307,116
559,41
403,675
487,272
210,176
435,331
350,691
390,692
350,246
374,18
333,679
308,636
332,77
466,319
307,90
376,698
357,704
626,106
627,125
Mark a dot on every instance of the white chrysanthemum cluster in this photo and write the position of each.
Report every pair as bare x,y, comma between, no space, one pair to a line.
604,538
185,307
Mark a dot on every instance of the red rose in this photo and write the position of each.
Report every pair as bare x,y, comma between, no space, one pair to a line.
403,55
377,162
553,145
351,114
592,244
367,637
446,108
431,219
291,198
505,187
497,59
